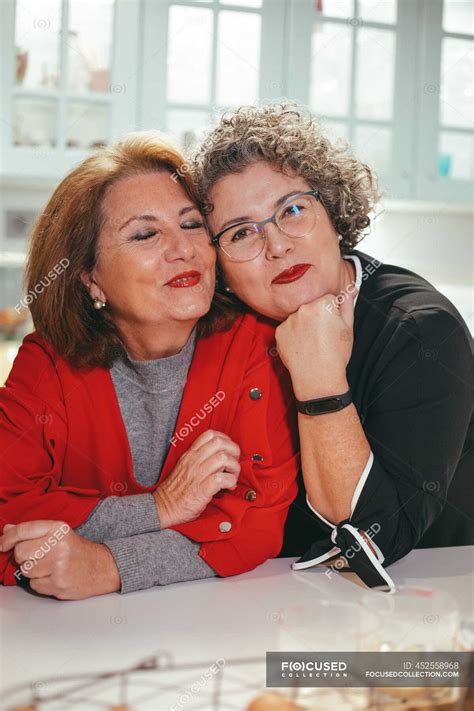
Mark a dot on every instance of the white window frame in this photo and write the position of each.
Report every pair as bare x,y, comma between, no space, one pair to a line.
415,121
45,163
139,76
429,184
154,106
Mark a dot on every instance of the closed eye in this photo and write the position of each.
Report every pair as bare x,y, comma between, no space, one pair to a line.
141,236
193,226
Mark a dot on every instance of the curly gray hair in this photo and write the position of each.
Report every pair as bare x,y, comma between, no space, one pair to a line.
288,136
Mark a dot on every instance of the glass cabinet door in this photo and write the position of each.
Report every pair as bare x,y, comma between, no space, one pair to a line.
63,60
207,60
349,72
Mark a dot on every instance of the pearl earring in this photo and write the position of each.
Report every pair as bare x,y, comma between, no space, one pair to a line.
98,304
227,288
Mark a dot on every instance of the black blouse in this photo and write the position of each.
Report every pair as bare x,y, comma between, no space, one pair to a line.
411,379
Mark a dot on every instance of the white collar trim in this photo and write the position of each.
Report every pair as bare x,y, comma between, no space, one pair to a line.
358,267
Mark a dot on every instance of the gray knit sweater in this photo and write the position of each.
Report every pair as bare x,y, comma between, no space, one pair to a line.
149,394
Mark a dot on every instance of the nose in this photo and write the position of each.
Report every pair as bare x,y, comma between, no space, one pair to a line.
179,246
277,243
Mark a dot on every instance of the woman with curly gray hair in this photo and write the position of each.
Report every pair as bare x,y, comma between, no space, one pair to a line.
380,361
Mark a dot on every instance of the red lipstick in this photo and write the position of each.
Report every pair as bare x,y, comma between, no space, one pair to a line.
292,274
184,280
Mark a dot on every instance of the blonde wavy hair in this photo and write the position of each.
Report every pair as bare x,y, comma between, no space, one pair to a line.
287,136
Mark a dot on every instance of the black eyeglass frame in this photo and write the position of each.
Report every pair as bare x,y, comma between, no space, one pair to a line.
261,223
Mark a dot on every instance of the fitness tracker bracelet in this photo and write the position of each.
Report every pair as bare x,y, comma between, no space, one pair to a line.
323,405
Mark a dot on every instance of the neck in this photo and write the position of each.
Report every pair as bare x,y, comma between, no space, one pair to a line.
348,274
156,341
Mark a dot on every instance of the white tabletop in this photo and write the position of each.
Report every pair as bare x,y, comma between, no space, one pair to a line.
197,622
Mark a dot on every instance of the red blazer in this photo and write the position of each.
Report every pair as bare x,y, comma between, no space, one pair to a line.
64,447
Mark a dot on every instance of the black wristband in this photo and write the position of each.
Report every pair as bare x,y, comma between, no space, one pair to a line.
323,405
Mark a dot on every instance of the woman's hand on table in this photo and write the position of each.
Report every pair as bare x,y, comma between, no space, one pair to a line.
210,464
318,339
59,562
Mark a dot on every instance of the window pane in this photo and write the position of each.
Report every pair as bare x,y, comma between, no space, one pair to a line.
458,16
238,58
373,144
189,54
378,10
456,155
187,127
457,94
375,73
330,68
87,125
90,45
35,122
247,3
37,28
336,8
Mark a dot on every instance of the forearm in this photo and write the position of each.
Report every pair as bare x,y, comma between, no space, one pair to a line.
158,558
334,453
121,516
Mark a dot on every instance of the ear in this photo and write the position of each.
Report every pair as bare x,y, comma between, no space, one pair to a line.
92,287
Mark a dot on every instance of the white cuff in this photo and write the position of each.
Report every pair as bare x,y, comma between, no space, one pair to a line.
328,523
361,482
315,561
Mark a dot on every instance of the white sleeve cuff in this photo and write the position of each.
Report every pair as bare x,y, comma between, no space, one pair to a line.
361,482
328,523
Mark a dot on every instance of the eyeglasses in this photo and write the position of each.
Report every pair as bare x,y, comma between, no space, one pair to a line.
244,241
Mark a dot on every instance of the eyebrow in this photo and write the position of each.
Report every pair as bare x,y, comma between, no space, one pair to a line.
245,218
154,218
